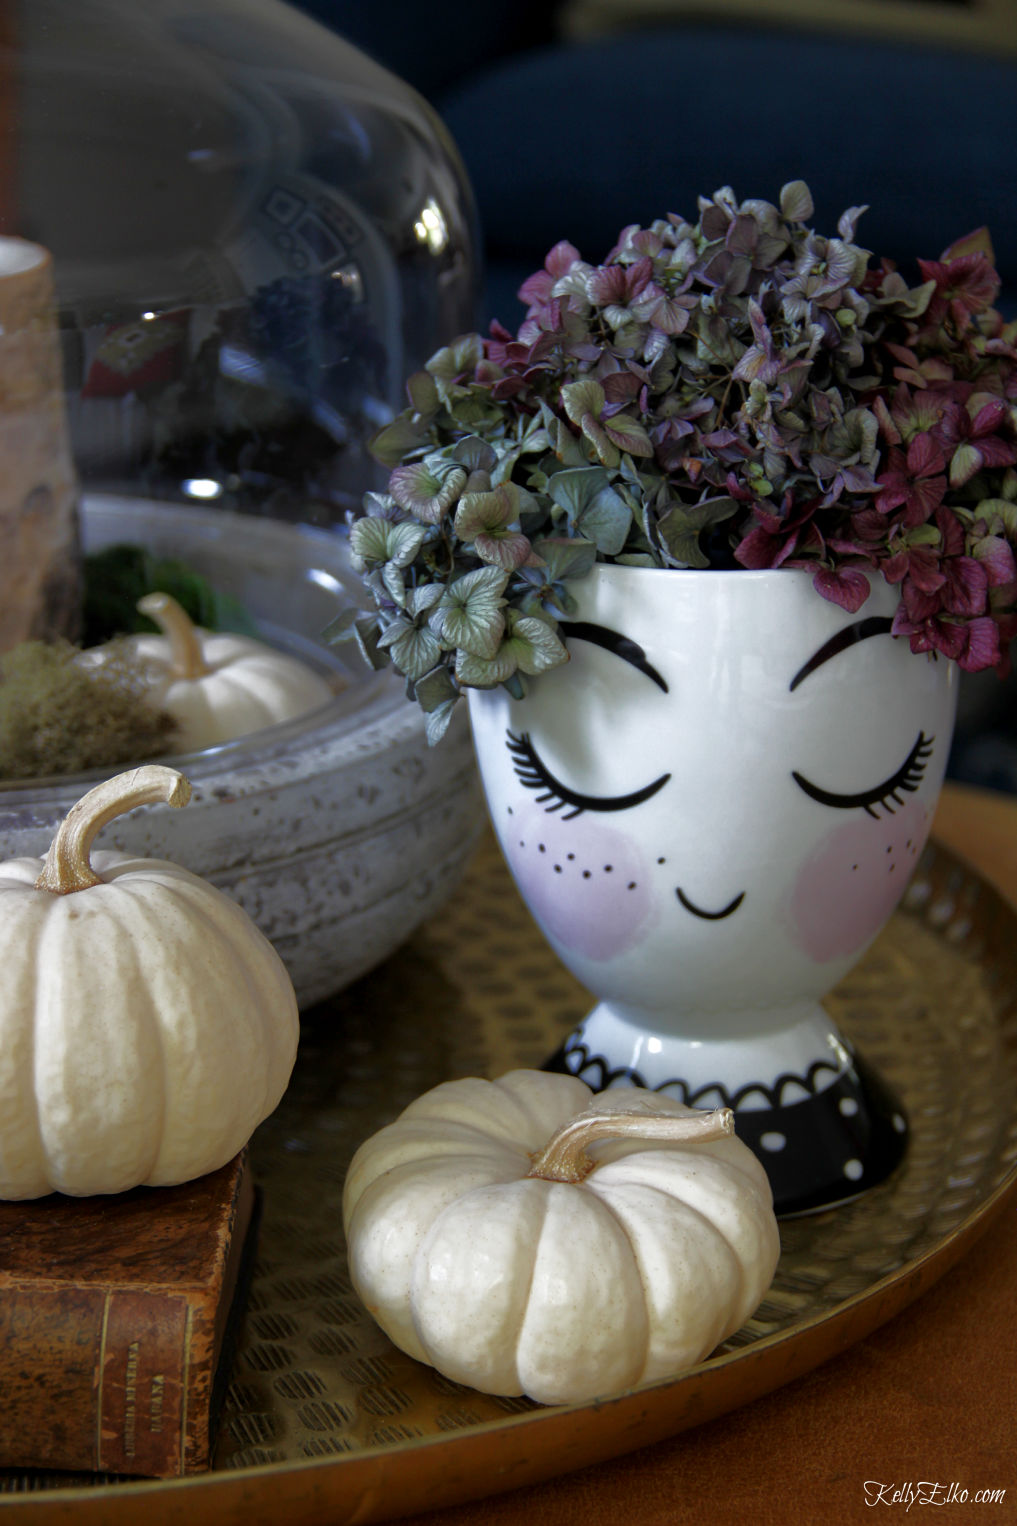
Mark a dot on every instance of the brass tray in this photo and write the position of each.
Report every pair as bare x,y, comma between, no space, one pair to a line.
325,1422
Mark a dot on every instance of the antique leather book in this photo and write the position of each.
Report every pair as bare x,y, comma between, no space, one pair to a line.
116,1318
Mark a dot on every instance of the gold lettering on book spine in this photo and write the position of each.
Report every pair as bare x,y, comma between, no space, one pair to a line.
131,1398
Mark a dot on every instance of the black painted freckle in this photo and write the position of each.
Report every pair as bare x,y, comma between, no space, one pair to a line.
541,848
570,856
662,861
889,850
511,811
521,843
853,868
557,868
608,868
631,885
586,874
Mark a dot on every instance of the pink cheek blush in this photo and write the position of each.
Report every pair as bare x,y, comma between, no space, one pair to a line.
585,883
853,880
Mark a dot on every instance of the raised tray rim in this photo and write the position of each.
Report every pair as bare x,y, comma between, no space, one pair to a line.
372,1486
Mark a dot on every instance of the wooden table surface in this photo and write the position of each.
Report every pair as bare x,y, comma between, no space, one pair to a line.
926,1401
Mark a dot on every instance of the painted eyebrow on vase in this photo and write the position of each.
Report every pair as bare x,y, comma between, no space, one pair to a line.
612,641
874,625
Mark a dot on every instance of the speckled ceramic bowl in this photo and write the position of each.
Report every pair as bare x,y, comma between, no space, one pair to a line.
337,832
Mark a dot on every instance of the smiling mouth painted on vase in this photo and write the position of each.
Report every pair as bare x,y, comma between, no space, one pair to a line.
709,916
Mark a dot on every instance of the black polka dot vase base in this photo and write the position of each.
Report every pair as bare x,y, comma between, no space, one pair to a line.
823,1136
847,1138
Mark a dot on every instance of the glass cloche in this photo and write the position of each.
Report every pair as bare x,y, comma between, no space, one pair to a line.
227,238
257,233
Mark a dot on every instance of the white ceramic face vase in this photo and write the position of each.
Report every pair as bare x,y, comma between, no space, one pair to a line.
711,811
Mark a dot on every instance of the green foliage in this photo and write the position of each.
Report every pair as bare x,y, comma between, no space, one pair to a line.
59,714
116,578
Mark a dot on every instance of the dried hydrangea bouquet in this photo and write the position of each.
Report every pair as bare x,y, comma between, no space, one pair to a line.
706,544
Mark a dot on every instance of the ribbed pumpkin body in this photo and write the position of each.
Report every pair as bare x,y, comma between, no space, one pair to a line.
564,1291
248,686
146,1028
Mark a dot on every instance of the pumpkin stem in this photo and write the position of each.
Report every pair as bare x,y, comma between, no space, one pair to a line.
564,1157
186,659
67,867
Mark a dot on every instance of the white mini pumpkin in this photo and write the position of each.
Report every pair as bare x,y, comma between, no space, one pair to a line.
523,1236
146,1025
218,686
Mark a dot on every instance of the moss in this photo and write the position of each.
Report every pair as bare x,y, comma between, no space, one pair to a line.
60,715
116,578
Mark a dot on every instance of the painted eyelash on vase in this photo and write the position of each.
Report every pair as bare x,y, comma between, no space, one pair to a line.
907,779
534,774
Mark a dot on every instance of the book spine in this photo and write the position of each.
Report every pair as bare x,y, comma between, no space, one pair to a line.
109,1380
141,1408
